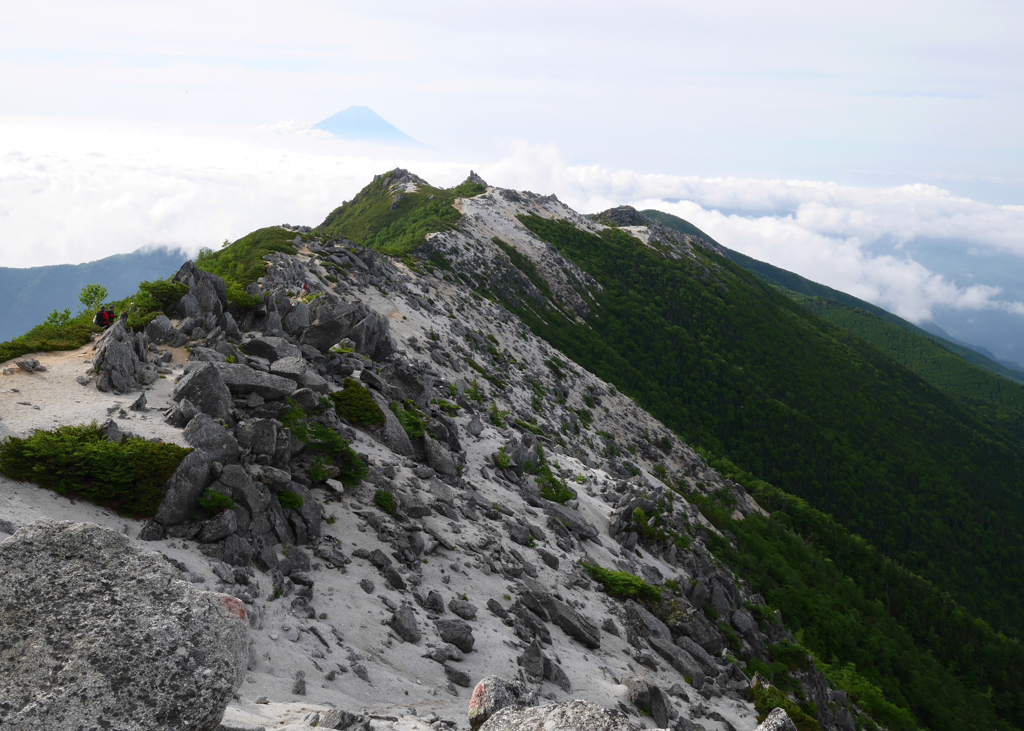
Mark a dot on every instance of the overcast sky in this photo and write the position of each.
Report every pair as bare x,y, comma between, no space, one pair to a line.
843,141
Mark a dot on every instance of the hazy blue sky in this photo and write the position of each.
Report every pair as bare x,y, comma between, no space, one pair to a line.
850,142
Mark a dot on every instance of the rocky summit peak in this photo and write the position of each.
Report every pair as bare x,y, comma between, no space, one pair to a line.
622,216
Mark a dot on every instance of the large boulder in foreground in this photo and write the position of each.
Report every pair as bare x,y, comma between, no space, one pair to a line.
97,633
491,695
569,716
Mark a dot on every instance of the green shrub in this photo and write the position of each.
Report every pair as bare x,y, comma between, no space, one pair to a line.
289,500
385,501
769,697
551,487
355,404
57,333
473,392
78,460
410,418
242,262
496,415
325,440
446,406
622,584
502,459
214,502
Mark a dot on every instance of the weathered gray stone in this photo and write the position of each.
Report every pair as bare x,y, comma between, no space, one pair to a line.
205,388
242,380
236,482
206,434
257,436
572,622
181,413
456,631
572,520
707,663
778,720
271,348
186,486
116,362
553,673
462,609
403,622
576,715
97,633
295,369
368,329
219,527
207,299
159,329
680,659
644,623
438,456
199,354
335,718
491,695
237,551
743,621
458,677
391,434
701,631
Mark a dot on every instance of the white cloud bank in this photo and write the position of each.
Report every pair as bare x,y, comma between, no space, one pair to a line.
73,193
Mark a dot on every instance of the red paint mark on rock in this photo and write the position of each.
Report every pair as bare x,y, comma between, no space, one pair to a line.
234,606
478,697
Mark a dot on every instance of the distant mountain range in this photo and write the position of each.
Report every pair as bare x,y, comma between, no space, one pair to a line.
32,293
365,125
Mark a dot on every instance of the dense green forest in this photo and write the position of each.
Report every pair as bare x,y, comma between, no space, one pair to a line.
865,618
745,372
735,366
1001,400
794,283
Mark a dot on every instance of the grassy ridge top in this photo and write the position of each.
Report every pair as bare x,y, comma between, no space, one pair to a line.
242,261
392,222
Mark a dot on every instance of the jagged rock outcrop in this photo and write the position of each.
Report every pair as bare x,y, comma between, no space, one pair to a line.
95,633
574,715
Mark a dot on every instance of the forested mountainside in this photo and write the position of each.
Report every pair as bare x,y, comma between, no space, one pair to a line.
782,400
798,285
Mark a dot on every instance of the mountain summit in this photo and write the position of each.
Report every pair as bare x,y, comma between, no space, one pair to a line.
365,125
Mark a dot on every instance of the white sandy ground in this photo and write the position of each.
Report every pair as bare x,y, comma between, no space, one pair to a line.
43,400
402,684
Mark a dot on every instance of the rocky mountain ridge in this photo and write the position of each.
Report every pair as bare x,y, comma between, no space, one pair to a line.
424,493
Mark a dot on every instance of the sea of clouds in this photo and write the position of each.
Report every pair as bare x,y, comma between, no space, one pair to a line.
78,191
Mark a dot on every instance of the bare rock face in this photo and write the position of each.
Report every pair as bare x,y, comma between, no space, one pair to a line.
97,633
778,720
570,716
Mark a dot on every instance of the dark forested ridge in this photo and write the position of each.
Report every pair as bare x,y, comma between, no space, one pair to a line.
801,286
740,369
892,499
